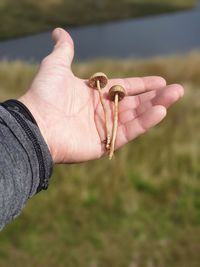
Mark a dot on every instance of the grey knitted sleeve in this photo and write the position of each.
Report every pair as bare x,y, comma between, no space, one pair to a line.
25,163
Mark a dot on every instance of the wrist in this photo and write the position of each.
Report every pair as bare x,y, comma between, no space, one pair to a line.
36,116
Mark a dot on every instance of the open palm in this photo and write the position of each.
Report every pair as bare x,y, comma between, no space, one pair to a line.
69,113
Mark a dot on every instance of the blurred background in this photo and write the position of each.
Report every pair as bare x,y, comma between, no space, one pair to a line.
143,208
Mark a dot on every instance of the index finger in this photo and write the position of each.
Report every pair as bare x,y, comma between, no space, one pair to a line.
135,86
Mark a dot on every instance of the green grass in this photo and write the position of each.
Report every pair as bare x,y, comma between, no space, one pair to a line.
29,16
141,209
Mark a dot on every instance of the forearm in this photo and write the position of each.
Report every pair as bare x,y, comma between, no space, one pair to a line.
25,162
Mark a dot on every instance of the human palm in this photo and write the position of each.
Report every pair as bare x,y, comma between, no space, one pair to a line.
69,113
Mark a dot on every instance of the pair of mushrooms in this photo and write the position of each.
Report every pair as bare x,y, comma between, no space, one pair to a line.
116,93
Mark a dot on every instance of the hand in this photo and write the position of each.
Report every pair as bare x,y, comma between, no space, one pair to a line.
69,113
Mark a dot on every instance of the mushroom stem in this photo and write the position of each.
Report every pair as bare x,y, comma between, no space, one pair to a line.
105,116
115,126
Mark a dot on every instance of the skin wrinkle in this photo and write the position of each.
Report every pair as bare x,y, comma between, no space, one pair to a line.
133,113
139,100
141,124
127,85
149,95
125,132
64,115
129,102
71,105
142,109
136,112
138,126
61,47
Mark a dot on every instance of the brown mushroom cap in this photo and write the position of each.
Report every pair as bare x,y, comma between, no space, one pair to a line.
117,89
99,76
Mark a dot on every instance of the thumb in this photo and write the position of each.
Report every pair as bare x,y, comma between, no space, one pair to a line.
64,46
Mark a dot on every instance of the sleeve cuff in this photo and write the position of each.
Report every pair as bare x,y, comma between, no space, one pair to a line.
23,125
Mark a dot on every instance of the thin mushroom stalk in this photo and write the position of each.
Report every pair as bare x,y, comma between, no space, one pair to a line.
98,81
105,116
116,93
115,126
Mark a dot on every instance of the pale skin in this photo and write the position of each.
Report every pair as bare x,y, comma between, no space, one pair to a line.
69,113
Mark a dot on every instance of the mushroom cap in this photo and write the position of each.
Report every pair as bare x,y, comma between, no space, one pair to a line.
99,76
117,89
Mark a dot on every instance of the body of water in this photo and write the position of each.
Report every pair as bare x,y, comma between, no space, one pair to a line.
144,37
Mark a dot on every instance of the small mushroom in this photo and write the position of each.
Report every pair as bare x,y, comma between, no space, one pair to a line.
99,76
98,81
116,94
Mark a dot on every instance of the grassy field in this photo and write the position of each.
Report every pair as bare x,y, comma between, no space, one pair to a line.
29,16
140,210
